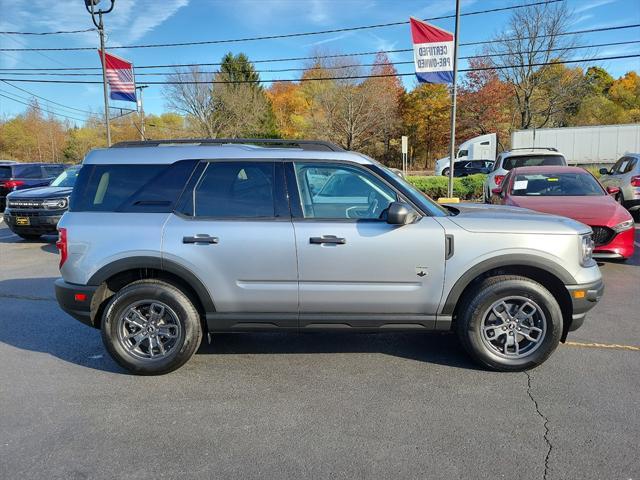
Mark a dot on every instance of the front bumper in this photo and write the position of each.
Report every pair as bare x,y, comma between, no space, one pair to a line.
41,222
620,246
76,300
583,298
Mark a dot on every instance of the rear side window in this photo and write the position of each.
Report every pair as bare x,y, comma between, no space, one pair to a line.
5,172
236,190
533,161
27,171
52,170
129,188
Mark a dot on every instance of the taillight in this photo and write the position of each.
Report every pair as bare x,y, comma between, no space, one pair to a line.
62,245
498,179
635,181
13,183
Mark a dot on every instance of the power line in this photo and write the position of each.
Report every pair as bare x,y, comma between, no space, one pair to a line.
43,109
348,77
317,57
59,32
46,99
337,67
287,35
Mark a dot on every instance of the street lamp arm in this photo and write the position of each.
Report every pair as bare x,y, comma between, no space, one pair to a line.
90,6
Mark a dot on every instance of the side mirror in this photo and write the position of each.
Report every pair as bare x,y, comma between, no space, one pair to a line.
613,190
400,213
496,191
604,171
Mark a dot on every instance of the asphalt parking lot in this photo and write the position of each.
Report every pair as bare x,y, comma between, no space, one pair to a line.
311,406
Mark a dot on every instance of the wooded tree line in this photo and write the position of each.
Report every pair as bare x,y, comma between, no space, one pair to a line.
505,90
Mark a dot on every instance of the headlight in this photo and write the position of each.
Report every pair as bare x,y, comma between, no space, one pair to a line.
621,227
586,250
55,203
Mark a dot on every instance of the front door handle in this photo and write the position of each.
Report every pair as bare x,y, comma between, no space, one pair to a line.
328,239
200,238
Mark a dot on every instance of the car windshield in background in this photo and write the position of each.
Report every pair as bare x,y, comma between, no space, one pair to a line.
533,161
556,185
66,178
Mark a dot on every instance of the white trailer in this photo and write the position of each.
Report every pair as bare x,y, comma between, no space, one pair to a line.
601,144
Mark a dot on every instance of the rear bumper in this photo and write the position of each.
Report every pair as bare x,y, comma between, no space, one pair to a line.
80,309
583,298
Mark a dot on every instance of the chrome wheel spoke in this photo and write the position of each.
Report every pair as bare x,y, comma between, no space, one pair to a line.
149,330
513,327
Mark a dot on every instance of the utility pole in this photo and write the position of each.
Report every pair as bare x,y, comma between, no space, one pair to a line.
454,96
90,6
141,110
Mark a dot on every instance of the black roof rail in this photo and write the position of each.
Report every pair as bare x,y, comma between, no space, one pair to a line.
551,149
313,145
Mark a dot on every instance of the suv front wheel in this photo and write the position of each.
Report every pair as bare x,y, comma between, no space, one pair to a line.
509,323
150,327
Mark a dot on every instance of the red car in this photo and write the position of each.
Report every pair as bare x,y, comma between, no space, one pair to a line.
575,193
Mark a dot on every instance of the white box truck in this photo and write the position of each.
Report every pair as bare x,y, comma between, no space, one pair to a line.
601,144
477,148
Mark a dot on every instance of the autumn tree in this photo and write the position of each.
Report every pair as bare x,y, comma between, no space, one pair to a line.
534,36
426,113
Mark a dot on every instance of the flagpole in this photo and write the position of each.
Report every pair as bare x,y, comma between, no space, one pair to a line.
452,145
104,82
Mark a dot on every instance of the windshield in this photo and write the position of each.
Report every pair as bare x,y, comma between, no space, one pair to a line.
556,185
415,195
66,178
533,161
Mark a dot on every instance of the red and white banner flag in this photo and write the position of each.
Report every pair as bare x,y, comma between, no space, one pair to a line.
119,74
432,52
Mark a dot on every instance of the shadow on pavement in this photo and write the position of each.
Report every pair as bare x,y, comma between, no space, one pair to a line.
33,321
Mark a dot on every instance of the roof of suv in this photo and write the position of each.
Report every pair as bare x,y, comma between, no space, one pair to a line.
170,153
521,152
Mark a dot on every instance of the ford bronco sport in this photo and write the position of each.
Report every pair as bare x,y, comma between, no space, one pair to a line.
165,242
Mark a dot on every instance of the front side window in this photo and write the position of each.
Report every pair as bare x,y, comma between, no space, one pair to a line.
341,192
236,190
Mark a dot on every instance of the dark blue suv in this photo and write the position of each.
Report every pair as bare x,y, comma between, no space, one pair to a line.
18,176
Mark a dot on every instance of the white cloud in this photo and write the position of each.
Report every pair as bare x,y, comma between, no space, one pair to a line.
586,6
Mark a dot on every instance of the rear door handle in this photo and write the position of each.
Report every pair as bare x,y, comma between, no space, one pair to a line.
328,239
200,238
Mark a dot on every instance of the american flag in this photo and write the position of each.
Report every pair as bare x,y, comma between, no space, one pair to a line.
119,74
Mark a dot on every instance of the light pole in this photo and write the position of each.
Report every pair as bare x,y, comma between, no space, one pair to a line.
90,6
454,95
141,110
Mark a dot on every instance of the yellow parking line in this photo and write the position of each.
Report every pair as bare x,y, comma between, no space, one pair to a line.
603,345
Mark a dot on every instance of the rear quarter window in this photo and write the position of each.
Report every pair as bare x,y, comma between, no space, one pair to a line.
129,188
27,171
5,172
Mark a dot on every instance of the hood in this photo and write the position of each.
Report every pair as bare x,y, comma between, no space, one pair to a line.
42,192
484,218
594,210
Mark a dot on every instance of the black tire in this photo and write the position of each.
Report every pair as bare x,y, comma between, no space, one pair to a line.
29,236
445,172
475,306
154,290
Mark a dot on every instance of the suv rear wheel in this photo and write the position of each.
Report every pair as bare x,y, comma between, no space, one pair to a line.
509,323
150,327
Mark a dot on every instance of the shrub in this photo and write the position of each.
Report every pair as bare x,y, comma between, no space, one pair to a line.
466,188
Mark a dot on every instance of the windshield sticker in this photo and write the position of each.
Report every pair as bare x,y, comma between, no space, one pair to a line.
520,184
553,179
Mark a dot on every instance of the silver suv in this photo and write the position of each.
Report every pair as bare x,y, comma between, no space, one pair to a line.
164,243
519,157
625,175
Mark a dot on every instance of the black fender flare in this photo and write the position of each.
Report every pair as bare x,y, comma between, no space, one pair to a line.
508,260
156,263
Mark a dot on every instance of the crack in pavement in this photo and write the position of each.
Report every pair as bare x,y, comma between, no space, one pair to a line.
546,426
26,297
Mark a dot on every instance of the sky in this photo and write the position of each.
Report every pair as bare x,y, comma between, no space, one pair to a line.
163,21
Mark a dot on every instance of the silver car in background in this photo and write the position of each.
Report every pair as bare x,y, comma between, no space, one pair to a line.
519,157
625,175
